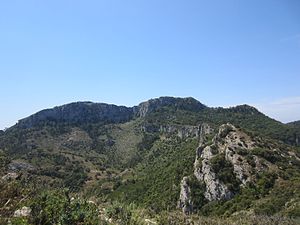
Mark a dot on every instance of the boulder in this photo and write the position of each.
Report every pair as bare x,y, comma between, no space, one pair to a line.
23,212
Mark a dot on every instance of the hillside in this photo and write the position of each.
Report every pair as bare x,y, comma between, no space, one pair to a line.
294,124
151,161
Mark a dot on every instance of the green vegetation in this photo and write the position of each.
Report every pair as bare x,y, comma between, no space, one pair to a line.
224,172
197,193
135,173
157,180
58,208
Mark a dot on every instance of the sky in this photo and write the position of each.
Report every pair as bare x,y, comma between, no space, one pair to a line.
223,53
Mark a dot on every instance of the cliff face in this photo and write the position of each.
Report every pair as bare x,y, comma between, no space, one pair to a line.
80,112
152,105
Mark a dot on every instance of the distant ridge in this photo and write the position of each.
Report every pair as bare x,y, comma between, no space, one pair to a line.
86,111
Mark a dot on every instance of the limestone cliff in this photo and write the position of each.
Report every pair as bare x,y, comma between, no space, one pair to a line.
152,105
231,149
79,112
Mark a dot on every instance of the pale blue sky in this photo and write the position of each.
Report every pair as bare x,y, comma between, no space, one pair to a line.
123,52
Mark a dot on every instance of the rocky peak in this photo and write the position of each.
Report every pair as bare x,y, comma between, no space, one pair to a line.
152,105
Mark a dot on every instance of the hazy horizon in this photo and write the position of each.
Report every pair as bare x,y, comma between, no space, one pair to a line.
257,107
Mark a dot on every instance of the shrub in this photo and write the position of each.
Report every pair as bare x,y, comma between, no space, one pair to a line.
56,207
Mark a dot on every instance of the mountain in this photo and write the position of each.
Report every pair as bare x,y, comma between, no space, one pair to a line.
89,112
79,112
148,164
165,110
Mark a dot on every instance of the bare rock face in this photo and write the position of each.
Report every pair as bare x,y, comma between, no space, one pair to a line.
181,131
79,112
215,189
185,202
205,129
152,105
233,141
229,151
83,112
20,167
23,212
234,144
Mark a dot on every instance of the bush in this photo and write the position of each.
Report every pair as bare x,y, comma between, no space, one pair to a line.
197,193
224,172
56,207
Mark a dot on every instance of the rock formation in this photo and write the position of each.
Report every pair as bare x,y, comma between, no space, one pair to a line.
23,212
234,146
185,202
152,105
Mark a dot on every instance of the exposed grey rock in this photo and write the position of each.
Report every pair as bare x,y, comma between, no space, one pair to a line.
20,166
79,112
23,212
182,131
205,129
185,202
152,105
241,167
215,189
10,176
229,141
82,112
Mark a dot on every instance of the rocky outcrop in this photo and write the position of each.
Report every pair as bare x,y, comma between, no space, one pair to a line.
205,130
23,212
152,105
215,189
185,202
234,145
20,167
181,131
10,176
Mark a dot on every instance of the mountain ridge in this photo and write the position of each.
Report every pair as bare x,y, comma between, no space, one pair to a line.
95,112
